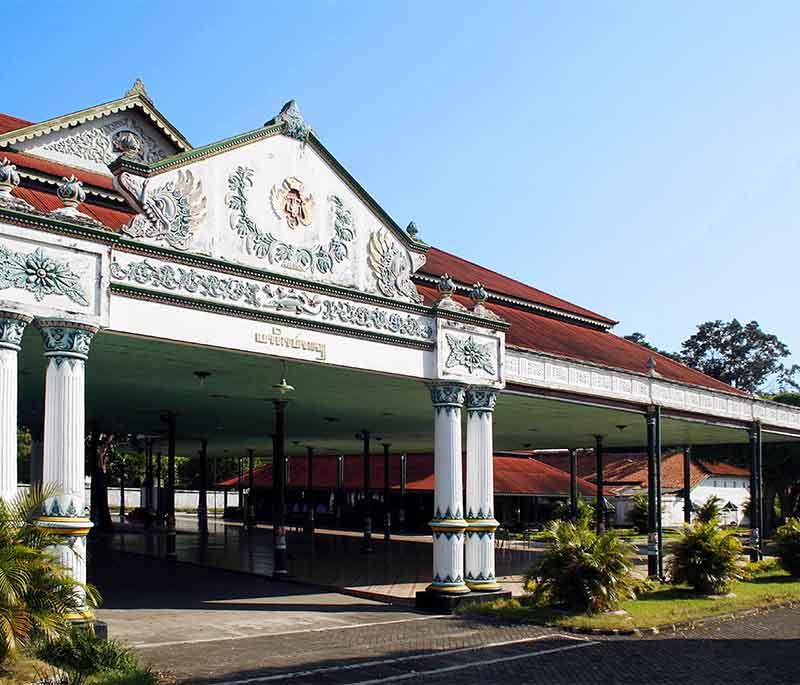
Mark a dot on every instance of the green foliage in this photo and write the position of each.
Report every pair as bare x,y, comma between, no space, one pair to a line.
705,557
583,570
756,569
787,542
639,512
742,356
82,652
562,511
709,511
36,592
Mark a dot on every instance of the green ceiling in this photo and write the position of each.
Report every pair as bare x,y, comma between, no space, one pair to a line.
132,381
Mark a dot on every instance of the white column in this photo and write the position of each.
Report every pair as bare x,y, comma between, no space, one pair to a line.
66,346
12,326
448,522
481,523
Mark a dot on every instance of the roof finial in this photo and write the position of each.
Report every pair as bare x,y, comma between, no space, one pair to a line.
70,191
137,89
651,367
296,126
9,179
412,230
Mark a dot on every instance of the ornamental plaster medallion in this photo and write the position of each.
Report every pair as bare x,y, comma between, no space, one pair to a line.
391,267
171,211
41,275
319,258
290,202
469,354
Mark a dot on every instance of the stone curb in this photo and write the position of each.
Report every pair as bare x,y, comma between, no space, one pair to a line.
675,627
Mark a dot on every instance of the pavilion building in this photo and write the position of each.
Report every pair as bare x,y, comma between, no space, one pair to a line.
151,287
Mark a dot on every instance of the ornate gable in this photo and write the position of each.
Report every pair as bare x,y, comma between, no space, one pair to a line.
275,200
93,138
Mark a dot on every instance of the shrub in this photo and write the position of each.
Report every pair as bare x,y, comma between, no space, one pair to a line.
639,512
787,542
709,511
36,592
583,570
563,511
83,652
705,557
754,569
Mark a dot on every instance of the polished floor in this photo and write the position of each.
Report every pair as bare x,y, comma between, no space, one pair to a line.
394,571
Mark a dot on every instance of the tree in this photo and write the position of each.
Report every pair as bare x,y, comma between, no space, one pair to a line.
742,356
639,512
641,339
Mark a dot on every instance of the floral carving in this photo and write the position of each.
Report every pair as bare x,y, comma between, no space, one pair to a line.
63,340
100,144
468,353
391,267
39,274
296,126
171,211
264,245
447,394
269,297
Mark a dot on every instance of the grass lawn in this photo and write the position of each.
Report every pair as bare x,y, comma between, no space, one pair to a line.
665,605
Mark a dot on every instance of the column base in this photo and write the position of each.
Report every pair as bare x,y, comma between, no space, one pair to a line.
484,585
446,604
447,589
81,617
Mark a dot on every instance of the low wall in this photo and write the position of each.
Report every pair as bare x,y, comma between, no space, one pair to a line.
184,499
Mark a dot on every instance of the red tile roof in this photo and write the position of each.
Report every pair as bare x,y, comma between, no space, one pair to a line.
9,123
47,202
46,166
630,470
440,262
541,333
512,475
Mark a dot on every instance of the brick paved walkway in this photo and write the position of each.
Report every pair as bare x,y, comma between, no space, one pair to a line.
207,626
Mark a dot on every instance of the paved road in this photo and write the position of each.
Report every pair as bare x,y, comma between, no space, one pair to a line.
757,649
207,626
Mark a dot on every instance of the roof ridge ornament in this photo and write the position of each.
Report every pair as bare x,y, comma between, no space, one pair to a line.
71,193
479,295
446,287
651,368
9,179
137,89
296,126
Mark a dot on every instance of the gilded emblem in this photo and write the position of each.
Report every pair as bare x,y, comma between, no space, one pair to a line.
291,203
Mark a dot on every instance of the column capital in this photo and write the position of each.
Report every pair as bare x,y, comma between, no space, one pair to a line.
12,326
481,398
447,394
65,339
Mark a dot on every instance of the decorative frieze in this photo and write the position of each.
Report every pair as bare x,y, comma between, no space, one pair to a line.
40,274
469,354
267,297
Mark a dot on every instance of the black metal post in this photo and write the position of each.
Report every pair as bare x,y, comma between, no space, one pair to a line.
687,485
280,555
339,488
755,494
202,504
242,509
159,503
652,534
172,554
367,494
148,482
122,489
401,513
600,506
387,495
251,507
310,491
761,500
659,506
573,484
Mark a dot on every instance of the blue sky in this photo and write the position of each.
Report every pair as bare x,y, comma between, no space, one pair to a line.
639,159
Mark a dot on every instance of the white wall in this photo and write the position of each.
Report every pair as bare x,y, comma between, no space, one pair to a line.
184,499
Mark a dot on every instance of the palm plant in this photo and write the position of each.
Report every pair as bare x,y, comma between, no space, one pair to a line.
787,542
706,558
709,511
583,570
37,594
